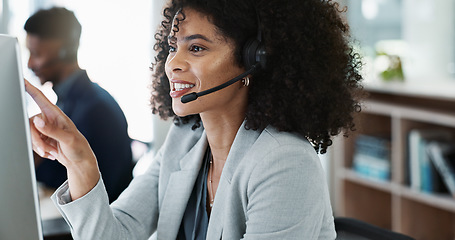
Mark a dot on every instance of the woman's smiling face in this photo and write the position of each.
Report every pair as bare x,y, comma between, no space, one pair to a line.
201,58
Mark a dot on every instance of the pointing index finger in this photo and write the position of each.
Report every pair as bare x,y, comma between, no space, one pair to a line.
38,96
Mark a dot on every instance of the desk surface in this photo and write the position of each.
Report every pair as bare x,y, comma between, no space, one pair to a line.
47,208
54,226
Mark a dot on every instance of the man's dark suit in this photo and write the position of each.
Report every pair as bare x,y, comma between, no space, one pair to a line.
99,118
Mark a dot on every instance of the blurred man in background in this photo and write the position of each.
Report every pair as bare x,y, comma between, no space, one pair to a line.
53,40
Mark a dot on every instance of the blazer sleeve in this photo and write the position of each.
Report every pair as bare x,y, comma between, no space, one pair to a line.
288,196
91,217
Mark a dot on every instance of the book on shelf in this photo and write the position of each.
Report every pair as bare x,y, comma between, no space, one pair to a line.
372,157
442,154
422,172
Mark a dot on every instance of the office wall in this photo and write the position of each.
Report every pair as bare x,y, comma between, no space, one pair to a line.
420,32
115,49
429,31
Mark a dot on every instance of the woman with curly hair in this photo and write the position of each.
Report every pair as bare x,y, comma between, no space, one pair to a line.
240,162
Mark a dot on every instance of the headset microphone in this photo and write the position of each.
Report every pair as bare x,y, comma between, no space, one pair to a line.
254,58
193,96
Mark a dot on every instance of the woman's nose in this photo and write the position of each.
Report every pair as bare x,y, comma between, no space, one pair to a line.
177,61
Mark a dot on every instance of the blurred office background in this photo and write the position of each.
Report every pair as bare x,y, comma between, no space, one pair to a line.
420,32
384,173
408,47
116,49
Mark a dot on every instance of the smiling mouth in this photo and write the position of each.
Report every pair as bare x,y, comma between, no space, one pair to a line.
181,86
179,89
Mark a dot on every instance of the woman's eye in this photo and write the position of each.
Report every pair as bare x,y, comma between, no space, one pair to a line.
172,49
196,48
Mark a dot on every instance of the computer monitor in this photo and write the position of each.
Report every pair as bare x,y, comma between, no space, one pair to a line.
19,204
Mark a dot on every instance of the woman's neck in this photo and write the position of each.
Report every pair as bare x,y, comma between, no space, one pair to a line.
221,131
221,127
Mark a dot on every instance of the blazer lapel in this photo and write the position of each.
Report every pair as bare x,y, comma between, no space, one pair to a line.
241,145
178,190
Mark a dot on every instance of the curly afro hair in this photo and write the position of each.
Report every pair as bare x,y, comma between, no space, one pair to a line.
311,85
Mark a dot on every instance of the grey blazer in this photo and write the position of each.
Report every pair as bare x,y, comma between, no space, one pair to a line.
272,187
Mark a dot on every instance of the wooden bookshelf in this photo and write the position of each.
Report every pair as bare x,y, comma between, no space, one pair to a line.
393,204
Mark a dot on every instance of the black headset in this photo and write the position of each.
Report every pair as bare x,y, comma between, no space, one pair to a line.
67,52
70,46
254,58
254,51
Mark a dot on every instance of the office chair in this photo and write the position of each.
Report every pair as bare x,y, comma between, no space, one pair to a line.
353,229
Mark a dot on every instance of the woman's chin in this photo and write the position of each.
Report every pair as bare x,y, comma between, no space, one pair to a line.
181,109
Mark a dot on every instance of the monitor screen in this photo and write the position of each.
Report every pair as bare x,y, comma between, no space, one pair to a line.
19,205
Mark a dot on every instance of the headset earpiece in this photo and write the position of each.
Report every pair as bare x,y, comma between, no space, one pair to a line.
253,53
68,52
254,50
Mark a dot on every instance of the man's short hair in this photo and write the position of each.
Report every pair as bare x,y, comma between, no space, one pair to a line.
55,23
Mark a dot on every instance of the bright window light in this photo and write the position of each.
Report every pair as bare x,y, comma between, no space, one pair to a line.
116,51
370,9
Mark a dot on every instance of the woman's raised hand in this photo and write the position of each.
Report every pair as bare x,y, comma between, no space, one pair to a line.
55,136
